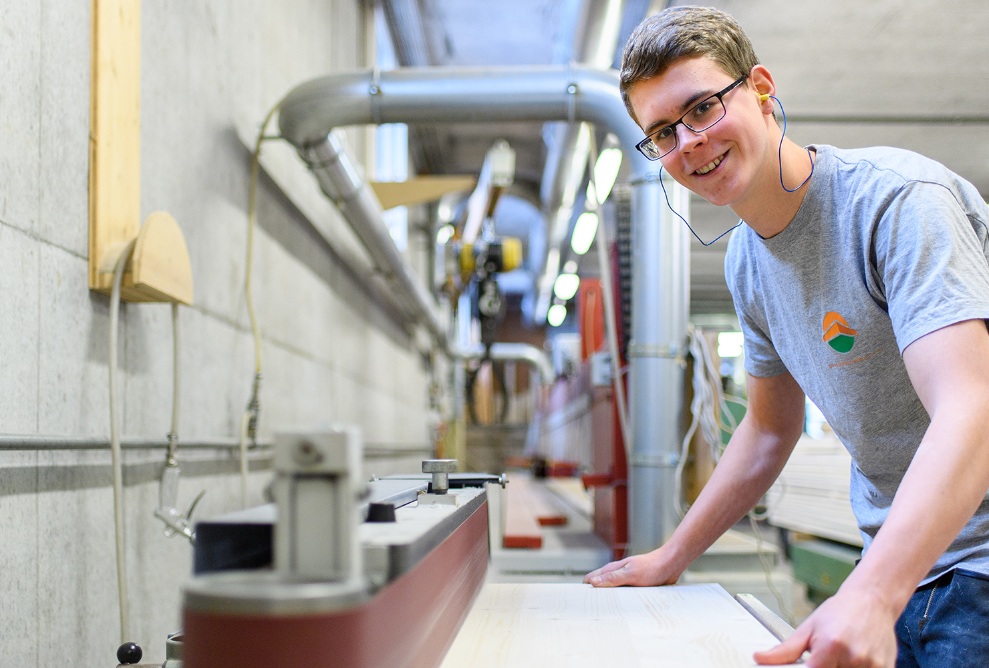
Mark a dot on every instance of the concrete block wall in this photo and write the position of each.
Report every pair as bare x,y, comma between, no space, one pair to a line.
210,72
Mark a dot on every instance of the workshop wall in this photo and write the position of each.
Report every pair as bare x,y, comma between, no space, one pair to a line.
210,72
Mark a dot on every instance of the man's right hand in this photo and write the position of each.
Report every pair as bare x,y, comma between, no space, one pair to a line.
643,570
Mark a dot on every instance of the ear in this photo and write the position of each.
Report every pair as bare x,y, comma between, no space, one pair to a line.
764,86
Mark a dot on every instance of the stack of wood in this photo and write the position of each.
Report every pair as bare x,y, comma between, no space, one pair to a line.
811,494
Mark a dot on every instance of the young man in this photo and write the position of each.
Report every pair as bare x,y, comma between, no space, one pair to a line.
861,279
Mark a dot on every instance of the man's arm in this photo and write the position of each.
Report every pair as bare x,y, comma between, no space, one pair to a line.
945,484
753,459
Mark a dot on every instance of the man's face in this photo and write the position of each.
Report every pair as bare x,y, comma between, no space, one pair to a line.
718,163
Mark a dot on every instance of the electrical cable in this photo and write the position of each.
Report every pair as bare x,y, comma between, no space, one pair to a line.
249,421
173,434
115,449
709,406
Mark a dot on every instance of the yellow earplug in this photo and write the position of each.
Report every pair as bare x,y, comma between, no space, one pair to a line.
764,97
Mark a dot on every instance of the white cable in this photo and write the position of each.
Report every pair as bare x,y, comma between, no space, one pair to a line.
710,404
244,420
115,450
176,383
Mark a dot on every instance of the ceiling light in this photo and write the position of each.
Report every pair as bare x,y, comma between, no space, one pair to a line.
583,232
444,234
556,315
566,286
730,344
606,172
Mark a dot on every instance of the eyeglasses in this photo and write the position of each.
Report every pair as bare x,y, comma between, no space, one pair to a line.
702,116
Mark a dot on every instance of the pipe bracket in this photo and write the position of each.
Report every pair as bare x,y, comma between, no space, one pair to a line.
663,350
572,91
657,461
375,93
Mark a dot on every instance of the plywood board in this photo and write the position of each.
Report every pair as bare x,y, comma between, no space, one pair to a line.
575,625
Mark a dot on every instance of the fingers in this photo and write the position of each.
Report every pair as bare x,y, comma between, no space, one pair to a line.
786,652
614,574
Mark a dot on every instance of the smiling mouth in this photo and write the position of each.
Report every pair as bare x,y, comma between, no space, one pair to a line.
709,166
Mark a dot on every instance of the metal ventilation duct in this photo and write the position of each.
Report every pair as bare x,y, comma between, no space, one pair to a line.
660,264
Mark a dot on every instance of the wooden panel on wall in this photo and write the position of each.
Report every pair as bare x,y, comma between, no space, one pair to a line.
160,270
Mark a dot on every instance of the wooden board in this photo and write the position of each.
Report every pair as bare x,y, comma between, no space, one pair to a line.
529,506
811,494
575,625
160,270
115,133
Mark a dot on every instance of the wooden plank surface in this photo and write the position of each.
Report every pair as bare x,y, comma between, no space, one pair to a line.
575,625
529,505
522,526
115,132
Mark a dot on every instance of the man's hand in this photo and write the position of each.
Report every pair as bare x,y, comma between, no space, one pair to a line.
643,570
849,630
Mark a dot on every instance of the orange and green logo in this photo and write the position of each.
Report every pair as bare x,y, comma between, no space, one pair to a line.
838,333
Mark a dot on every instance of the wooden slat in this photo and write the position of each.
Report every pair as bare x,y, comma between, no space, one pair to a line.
529,506
522,528
575,625
115,133
420,189
160,270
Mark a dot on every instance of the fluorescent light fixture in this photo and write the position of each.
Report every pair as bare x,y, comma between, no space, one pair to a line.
444,234
570,267
566,286
730,344
583,232
556,315
606,170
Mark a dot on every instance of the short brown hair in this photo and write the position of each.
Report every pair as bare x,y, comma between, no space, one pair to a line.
684,32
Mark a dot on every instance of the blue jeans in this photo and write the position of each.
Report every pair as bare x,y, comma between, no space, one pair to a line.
946,624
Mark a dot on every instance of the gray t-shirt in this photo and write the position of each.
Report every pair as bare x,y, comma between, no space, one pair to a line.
887,246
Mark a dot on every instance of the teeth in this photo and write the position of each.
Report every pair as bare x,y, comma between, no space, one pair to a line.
709,166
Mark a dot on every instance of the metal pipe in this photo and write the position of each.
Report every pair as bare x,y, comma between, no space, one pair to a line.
439,94
597,40
660,298
511,352
341,181
35,442
574,93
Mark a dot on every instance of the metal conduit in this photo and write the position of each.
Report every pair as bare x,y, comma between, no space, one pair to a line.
660,266
566,164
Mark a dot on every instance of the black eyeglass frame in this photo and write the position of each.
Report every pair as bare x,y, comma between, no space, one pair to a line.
672,126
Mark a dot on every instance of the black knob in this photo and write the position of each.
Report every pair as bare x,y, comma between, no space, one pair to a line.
129,653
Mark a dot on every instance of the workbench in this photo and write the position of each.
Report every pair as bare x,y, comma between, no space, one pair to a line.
576,625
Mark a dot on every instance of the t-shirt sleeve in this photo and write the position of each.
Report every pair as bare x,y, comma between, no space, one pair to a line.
761,357
931,255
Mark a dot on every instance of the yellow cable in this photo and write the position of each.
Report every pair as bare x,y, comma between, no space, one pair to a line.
252,198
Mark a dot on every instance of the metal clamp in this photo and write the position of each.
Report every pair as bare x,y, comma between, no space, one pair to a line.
664,350
657,461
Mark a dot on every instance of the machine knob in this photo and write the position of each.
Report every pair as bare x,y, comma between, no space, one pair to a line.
129,653
441,470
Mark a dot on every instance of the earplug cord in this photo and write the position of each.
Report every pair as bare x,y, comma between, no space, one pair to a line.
779,154
675,213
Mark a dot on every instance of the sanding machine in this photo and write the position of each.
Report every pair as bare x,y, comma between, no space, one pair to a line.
339,570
